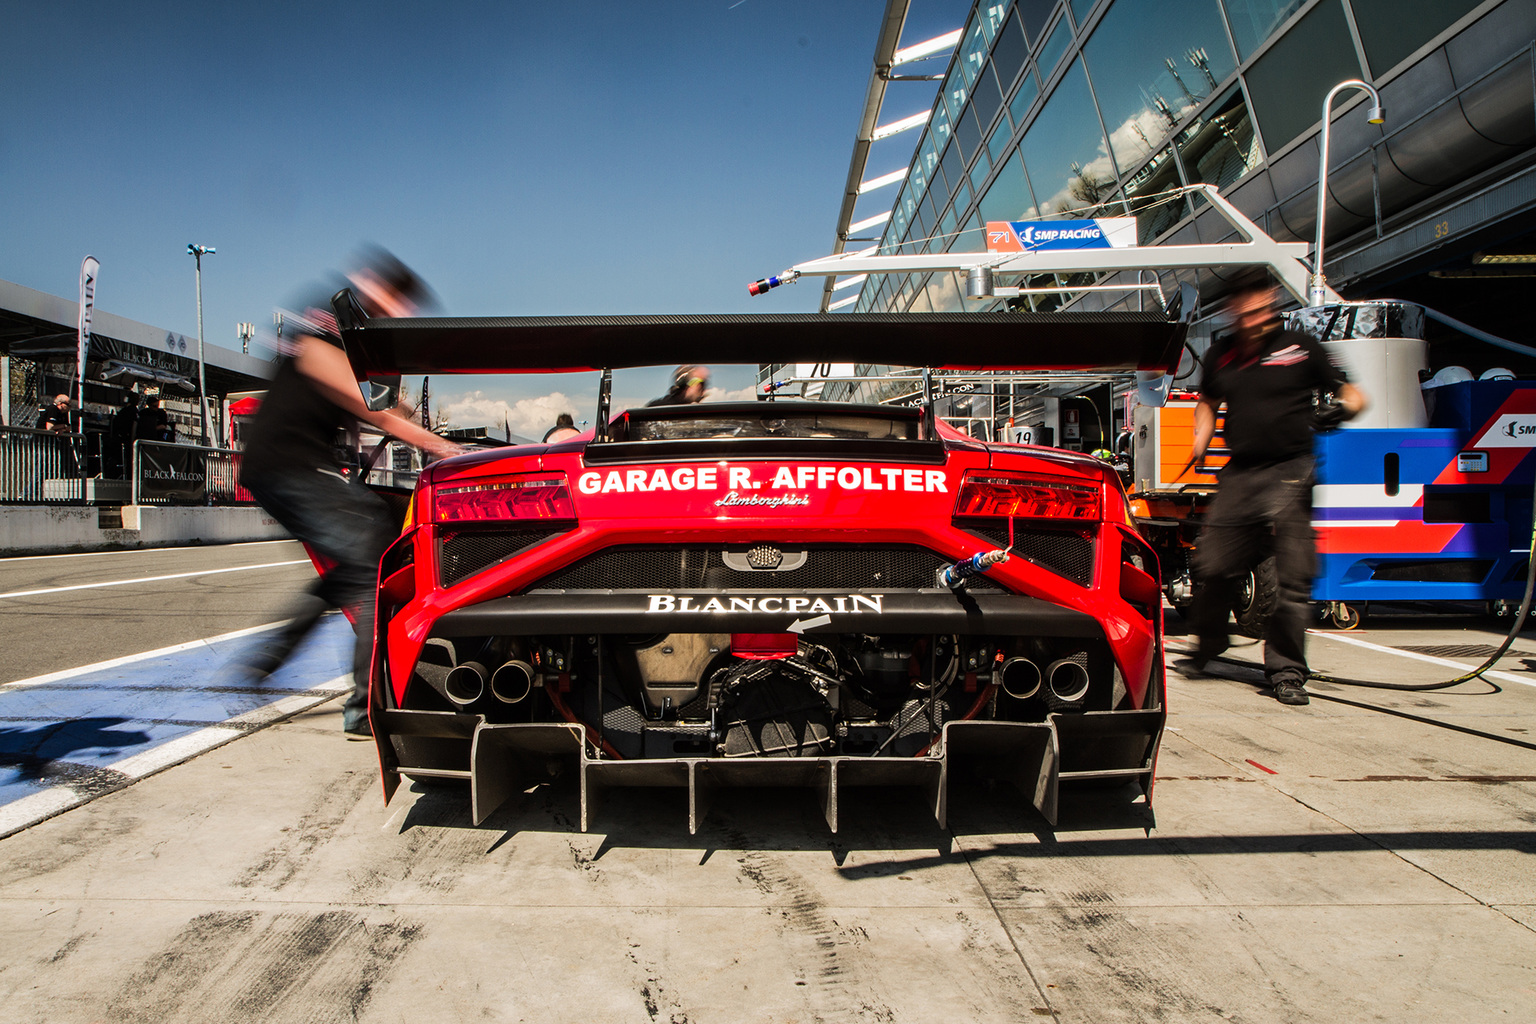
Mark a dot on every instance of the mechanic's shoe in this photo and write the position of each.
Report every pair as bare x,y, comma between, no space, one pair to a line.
354,722
1289,690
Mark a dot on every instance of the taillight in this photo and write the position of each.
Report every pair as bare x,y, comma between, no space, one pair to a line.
503,499
1028,498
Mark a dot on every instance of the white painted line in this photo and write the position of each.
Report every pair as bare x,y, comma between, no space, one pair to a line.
136,551
1416,656
174,751
152,579
129,659
29,810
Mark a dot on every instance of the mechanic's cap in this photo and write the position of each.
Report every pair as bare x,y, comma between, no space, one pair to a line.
1449,375
1498,373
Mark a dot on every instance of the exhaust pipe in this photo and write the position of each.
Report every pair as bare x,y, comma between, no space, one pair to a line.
1068,680
465,683
512,682
1021,678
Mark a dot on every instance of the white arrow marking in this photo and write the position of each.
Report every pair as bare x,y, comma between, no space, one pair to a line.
801,625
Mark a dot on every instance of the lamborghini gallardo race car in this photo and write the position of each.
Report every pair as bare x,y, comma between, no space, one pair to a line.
767,593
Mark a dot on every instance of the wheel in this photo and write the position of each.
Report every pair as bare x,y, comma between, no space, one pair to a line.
1256,600
1343,616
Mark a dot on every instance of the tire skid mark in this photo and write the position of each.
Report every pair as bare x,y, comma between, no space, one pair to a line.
1130,968
246,966
433,850
75,840
836,973
654,994
281,863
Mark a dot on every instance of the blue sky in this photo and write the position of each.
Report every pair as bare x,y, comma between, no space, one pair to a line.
527,159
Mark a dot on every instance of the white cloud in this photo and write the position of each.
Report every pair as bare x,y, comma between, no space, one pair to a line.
745,394
530,417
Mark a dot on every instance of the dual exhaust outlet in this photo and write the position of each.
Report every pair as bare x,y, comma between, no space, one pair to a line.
1066,679
512,682
509,684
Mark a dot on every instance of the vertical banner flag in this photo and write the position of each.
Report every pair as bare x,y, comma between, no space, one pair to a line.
88,270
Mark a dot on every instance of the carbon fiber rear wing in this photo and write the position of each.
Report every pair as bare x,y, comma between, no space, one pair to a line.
1105,341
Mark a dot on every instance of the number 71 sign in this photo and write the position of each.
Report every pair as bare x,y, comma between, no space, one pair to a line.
825,371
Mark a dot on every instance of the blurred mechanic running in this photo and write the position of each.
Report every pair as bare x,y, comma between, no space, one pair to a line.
292,468
1267,377
689,383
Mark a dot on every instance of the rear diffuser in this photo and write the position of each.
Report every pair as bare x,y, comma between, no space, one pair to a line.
1033,757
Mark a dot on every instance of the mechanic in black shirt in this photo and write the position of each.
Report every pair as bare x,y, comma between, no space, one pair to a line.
290,466
1267,378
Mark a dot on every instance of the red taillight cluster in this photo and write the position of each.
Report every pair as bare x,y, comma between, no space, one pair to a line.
504,499
1028,498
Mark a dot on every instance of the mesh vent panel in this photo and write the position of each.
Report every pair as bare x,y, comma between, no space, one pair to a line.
1064,552
825,568
462,553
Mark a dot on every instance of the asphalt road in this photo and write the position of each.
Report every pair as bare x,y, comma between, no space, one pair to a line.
1368,857
62,611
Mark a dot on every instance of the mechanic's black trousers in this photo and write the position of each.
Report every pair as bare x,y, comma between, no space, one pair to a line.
1258,512
349,525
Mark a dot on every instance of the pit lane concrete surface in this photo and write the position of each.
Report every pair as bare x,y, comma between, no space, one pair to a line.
1324,863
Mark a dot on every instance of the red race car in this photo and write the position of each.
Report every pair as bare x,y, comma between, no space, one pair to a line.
767,593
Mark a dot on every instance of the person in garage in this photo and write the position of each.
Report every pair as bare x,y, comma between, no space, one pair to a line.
1271,381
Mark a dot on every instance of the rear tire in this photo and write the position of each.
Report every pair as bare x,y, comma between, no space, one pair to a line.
1257,599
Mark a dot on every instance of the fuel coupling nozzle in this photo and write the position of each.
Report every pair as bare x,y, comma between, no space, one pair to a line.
958,575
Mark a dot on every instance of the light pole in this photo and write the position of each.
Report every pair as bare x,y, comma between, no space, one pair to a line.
1318,287
197,252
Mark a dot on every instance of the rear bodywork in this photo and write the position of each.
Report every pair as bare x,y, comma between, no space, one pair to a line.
748,594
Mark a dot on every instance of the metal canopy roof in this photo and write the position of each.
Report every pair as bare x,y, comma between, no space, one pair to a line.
36,325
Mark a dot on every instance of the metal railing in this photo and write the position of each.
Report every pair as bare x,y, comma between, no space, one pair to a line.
186,474
41,467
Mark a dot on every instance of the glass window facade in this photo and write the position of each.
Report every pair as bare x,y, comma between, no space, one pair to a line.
1156,95
1390,30
1152,62
1008,198
1065,152
1010,51
1155,211
1252,21
1018,107
1049,53
1035,14
986,97
1080,9
1220,146
1287,84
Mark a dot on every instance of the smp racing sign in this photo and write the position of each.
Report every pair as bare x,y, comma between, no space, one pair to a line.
1511,430
1043,235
